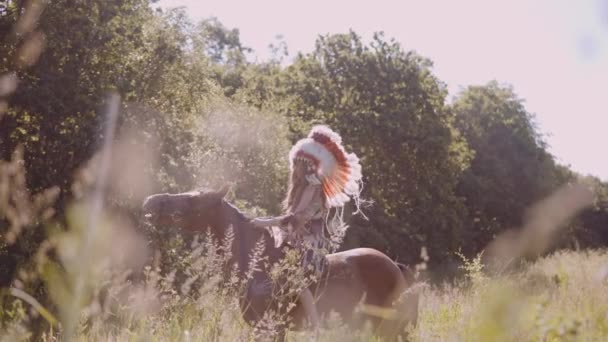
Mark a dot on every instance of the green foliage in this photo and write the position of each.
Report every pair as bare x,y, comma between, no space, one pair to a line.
223,46
390,110
511,168
240,145
590,228
473,269
445,177
53,112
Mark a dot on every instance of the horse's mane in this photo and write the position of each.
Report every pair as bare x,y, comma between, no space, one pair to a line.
247,236
236,211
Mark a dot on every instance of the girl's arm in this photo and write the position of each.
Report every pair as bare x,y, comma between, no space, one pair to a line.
309,205
262,222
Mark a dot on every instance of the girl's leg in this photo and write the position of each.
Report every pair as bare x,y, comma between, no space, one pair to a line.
310,308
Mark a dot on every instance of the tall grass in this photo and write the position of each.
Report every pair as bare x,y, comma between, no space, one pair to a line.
561,297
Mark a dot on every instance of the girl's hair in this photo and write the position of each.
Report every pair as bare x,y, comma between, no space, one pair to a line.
336,227
297,184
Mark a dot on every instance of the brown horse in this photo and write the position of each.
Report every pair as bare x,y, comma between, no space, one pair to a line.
358,278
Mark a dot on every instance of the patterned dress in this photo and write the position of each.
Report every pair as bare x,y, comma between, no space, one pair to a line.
305,229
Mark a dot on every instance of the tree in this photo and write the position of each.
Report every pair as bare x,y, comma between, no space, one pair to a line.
390,110
223,46
54,111
590,228
511,168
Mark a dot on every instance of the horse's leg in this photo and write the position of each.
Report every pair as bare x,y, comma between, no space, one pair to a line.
340,292
367,280
384,283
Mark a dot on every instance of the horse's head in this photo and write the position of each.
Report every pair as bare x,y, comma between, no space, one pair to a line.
191,211
196,211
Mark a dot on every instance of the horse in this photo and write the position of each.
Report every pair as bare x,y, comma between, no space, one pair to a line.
361,280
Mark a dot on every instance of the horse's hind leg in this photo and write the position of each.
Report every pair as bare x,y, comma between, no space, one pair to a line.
381,308
270,336
281,336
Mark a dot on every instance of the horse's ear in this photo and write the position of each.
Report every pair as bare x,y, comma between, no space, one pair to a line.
223,191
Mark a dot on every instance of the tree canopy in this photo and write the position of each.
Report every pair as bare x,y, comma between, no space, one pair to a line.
446,177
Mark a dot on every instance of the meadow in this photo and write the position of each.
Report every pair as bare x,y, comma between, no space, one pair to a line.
560,297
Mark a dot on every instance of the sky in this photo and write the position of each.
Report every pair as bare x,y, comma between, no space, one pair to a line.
553,52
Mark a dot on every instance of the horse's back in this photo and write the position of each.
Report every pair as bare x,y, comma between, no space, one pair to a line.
379,282
380,277
370,254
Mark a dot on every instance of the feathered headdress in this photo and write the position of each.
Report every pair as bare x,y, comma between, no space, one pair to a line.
338,172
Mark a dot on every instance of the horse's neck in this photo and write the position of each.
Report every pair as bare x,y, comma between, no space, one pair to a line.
246,237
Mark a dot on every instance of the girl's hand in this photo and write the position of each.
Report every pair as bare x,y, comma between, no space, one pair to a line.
259,222
285,219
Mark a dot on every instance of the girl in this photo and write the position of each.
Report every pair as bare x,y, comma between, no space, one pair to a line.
323,176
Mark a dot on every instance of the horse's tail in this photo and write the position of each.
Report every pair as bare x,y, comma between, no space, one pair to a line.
407,303
408,274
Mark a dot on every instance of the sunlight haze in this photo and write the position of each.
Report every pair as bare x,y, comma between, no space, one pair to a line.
554,53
